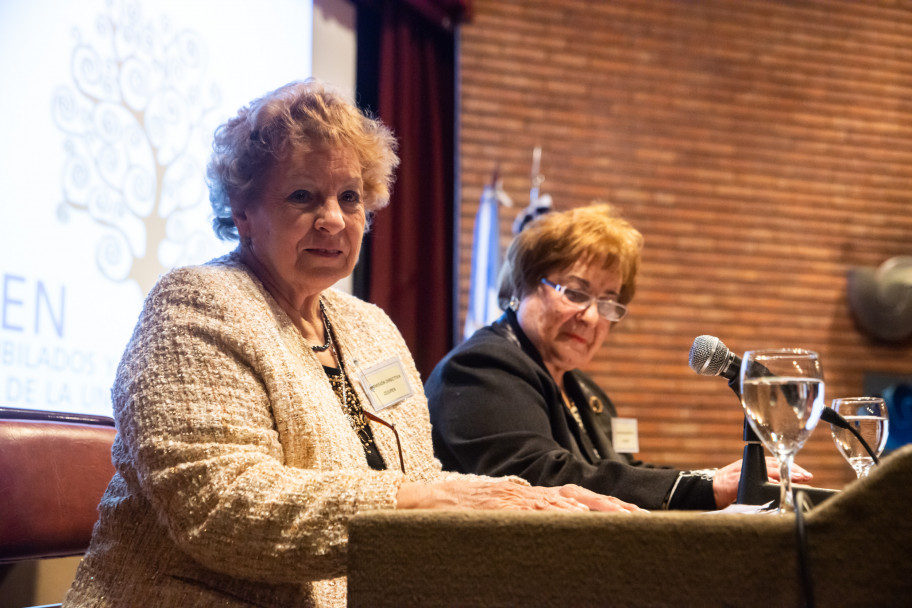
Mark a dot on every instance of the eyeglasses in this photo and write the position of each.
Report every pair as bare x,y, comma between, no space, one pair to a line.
608,309
392,427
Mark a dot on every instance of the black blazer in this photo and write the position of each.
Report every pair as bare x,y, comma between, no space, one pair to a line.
495,410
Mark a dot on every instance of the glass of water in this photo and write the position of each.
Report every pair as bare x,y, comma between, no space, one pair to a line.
782,393
868,416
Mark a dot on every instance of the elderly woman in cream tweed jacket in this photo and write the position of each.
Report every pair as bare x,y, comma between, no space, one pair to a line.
258,409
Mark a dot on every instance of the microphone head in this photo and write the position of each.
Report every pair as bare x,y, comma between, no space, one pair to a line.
708,355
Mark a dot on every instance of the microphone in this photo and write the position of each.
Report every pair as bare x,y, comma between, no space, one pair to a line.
710,357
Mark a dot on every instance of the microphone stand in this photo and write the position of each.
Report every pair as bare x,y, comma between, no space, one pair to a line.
754,478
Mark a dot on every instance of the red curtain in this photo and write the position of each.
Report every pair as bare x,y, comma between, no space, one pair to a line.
406,74
443,13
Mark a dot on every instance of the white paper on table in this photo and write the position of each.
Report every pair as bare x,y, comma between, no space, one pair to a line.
734,508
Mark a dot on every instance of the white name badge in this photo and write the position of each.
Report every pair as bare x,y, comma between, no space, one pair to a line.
385,383
624,435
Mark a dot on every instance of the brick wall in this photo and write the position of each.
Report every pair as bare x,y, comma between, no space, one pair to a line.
763,148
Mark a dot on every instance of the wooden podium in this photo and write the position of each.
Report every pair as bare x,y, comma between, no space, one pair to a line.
859,554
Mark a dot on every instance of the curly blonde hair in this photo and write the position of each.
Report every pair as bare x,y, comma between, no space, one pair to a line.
555,241
301,116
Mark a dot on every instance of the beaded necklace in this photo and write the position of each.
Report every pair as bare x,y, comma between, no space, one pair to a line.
353,410
356,414
328,343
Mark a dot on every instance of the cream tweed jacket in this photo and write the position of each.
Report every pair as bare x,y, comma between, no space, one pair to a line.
236,469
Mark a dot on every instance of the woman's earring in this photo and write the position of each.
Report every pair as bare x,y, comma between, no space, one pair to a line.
513,304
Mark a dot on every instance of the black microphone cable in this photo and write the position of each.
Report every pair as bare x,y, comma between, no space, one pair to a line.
832,416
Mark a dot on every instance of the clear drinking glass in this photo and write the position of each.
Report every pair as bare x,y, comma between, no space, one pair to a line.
868,416
782,393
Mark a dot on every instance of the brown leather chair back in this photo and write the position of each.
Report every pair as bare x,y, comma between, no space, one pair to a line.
54,468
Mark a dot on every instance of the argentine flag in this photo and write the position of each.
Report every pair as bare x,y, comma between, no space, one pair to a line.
483,307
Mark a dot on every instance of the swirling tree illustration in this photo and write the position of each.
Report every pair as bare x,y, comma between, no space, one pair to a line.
137,124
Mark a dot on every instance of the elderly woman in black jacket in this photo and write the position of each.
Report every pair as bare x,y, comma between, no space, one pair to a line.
511,401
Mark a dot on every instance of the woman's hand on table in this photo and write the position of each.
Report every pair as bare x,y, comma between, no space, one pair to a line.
498,495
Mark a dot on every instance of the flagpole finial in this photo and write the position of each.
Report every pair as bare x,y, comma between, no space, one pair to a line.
495,175
538,203
537,177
